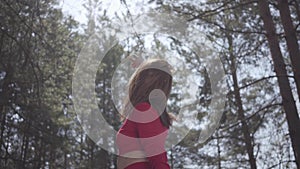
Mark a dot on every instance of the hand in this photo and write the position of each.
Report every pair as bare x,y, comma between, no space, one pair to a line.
173,117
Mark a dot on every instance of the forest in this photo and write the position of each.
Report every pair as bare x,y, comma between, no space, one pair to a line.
236,81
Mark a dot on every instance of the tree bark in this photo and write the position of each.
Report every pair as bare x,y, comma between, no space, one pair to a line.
291,39
283,81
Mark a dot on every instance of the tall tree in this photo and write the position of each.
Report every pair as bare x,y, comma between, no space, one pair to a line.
36,64
283,81
249,54
291,39
241,112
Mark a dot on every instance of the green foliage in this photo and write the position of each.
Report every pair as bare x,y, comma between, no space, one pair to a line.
38,50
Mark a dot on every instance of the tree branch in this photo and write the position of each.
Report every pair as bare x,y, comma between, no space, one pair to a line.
252,115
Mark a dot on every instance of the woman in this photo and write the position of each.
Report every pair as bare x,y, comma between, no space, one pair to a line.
142,137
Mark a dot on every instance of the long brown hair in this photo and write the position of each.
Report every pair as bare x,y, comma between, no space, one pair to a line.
151,74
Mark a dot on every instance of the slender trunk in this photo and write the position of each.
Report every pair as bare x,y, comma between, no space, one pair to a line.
219,152
3,103
283,81
82,147
2,142
25,151
241,116
65,151
39,153
172,159
65,159
115,161
3,123
104,160
92,153
52,155
22,152
4,107
44,154
24,147
245,128
291,39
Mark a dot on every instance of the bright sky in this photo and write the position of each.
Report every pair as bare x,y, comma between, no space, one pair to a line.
76,9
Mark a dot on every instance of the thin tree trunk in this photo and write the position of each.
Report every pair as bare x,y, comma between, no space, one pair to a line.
81,147
4,106
291,39
283,81
65,159
219,151
3,123
245,128
52,155
25,151
39,153
3,120
92,153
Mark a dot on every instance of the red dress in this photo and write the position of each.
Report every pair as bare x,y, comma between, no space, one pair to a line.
148,137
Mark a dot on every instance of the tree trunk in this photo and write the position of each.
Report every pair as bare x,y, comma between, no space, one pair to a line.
3,120
283,81
2,141
24,158
4,106
241,116
81,147
219,151
172,159
65,159
291,39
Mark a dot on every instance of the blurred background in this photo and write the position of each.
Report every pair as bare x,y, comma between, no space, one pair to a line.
257,42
